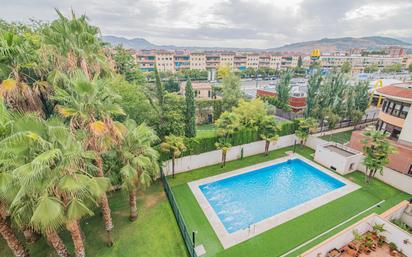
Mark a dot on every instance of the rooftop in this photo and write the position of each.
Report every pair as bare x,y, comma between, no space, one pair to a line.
400,90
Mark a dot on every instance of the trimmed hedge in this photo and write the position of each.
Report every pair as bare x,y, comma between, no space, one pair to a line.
202,145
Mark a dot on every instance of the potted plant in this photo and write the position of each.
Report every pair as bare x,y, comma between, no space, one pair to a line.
393,249
334,253
381,240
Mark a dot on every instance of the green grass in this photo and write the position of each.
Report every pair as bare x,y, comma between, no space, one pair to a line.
155,233
341,137
281,239
206,130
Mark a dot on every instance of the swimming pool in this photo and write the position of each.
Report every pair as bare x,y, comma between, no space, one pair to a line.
248,198
251,200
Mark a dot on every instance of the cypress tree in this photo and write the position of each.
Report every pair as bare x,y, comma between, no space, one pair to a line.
190,130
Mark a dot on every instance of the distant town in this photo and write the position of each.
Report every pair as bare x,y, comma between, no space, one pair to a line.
392,58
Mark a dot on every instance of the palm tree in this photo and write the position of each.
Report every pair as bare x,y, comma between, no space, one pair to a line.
17,54
73,43
12,241
377,149
89,105
269,131
175,146
55,185
306,126
224,147
140,160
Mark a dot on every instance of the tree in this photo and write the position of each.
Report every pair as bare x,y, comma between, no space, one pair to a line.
224,146
250,113
172,85
17,57
175,146
361,96
173,122
306,126
227,124
269,131
346,67
312,101
72,43
126,66
371,68
283,89
396,67
133,101
231,91
356,117
190,113
223,71
410,67
89,105
331,117
377,149
139,159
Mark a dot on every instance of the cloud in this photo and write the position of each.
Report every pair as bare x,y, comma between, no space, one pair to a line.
237,23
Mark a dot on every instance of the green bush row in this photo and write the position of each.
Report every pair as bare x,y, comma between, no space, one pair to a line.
202,145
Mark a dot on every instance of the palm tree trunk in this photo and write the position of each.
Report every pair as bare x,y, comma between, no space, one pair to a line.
15,245
57,243
75,232
366,175
223,159
107,217
173,166
267,143
133,206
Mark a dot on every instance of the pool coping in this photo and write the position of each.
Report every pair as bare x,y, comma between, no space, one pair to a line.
230,239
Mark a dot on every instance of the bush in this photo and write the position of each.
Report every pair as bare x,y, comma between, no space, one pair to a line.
202,145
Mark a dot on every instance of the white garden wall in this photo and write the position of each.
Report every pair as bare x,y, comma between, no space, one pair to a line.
191,162
394,178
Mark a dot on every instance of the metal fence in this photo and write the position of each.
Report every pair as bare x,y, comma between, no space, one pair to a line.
179,218
348,123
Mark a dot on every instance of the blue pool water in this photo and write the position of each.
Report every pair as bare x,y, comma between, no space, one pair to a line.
251,197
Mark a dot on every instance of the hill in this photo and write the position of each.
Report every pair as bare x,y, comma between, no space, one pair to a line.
325,44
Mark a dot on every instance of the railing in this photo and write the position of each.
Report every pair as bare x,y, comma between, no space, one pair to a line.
179,218
347,123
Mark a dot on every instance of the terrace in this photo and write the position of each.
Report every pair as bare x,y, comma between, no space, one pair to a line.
294,236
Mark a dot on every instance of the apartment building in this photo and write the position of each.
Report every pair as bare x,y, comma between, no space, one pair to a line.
197,61
395,118
165,61
252,61
227,59
358,62
182,60
173,61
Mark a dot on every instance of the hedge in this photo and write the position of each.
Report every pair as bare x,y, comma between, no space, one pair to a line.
202,145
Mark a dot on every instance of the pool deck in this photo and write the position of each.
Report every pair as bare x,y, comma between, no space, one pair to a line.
230,239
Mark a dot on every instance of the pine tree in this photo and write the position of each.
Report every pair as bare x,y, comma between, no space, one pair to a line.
190,119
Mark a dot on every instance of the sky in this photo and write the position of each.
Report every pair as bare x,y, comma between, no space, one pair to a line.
228,23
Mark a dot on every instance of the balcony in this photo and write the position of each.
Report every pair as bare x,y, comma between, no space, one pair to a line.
395,121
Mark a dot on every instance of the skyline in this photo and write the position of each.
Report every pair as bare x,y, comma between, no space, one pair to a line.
229,23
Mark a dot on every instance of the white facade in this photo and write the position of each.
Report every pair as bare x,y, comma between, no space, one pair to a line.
338,157
198,61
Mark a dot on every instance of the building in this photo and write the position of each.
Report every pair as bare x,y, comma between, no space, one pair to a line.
165,61
197,61
296,102
202,89
172,61
395,118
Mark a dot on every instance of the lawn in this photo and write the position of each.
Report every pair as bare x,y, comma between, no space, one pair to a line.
341,137
155,233
206,130
287,236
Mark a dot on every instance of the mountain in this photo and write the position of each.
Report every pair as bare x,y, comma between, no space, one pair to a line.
135,43
325,44
342,44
